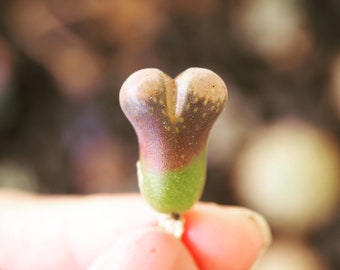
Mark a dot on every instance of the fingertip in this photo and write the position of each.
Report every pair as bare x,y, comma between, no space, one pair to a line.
146,249
221,237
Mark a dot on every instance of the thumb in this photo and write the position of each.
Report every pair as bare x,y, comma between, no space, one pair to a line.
146,249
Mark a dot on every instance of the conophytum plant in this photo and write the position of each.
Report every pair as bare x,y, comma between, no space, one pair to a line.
172,119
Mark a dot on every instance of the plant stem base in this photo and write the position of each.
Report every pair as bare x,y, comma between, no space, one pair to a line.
172,224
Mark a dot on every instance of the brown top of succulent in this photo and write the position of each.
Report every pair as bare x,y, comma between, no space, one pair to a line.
172,117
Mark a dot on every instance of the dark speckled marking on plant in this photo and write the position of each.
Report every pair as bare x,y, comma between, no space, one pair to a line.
172,118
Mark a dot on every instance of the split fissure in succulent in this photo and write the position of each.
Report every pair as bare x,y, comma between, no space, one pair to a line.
172,119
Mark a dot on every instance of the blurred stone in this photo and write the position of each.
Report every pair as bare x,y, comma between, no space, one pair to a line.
276,30
289,171
292,254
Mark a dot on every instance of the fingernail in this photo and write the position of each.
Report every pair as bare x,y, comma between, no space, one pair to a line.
263,227
237,233
257,219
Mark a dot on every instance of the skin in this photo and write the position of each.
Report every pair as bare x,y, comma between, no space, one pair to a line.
120,232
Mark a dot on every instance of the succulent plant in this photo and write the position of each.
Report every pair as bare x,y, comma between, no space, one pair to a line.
172,119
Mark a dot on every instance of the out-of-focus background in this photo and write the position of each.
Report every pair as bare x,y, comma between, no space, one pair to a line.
274,149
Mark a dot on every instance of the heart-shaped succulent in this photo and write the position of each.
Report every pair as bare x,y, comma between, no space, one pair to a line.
172,119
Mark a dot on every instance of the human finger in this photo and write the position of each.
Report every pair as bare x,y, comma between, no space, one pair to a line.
146,249
70,232
224,237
